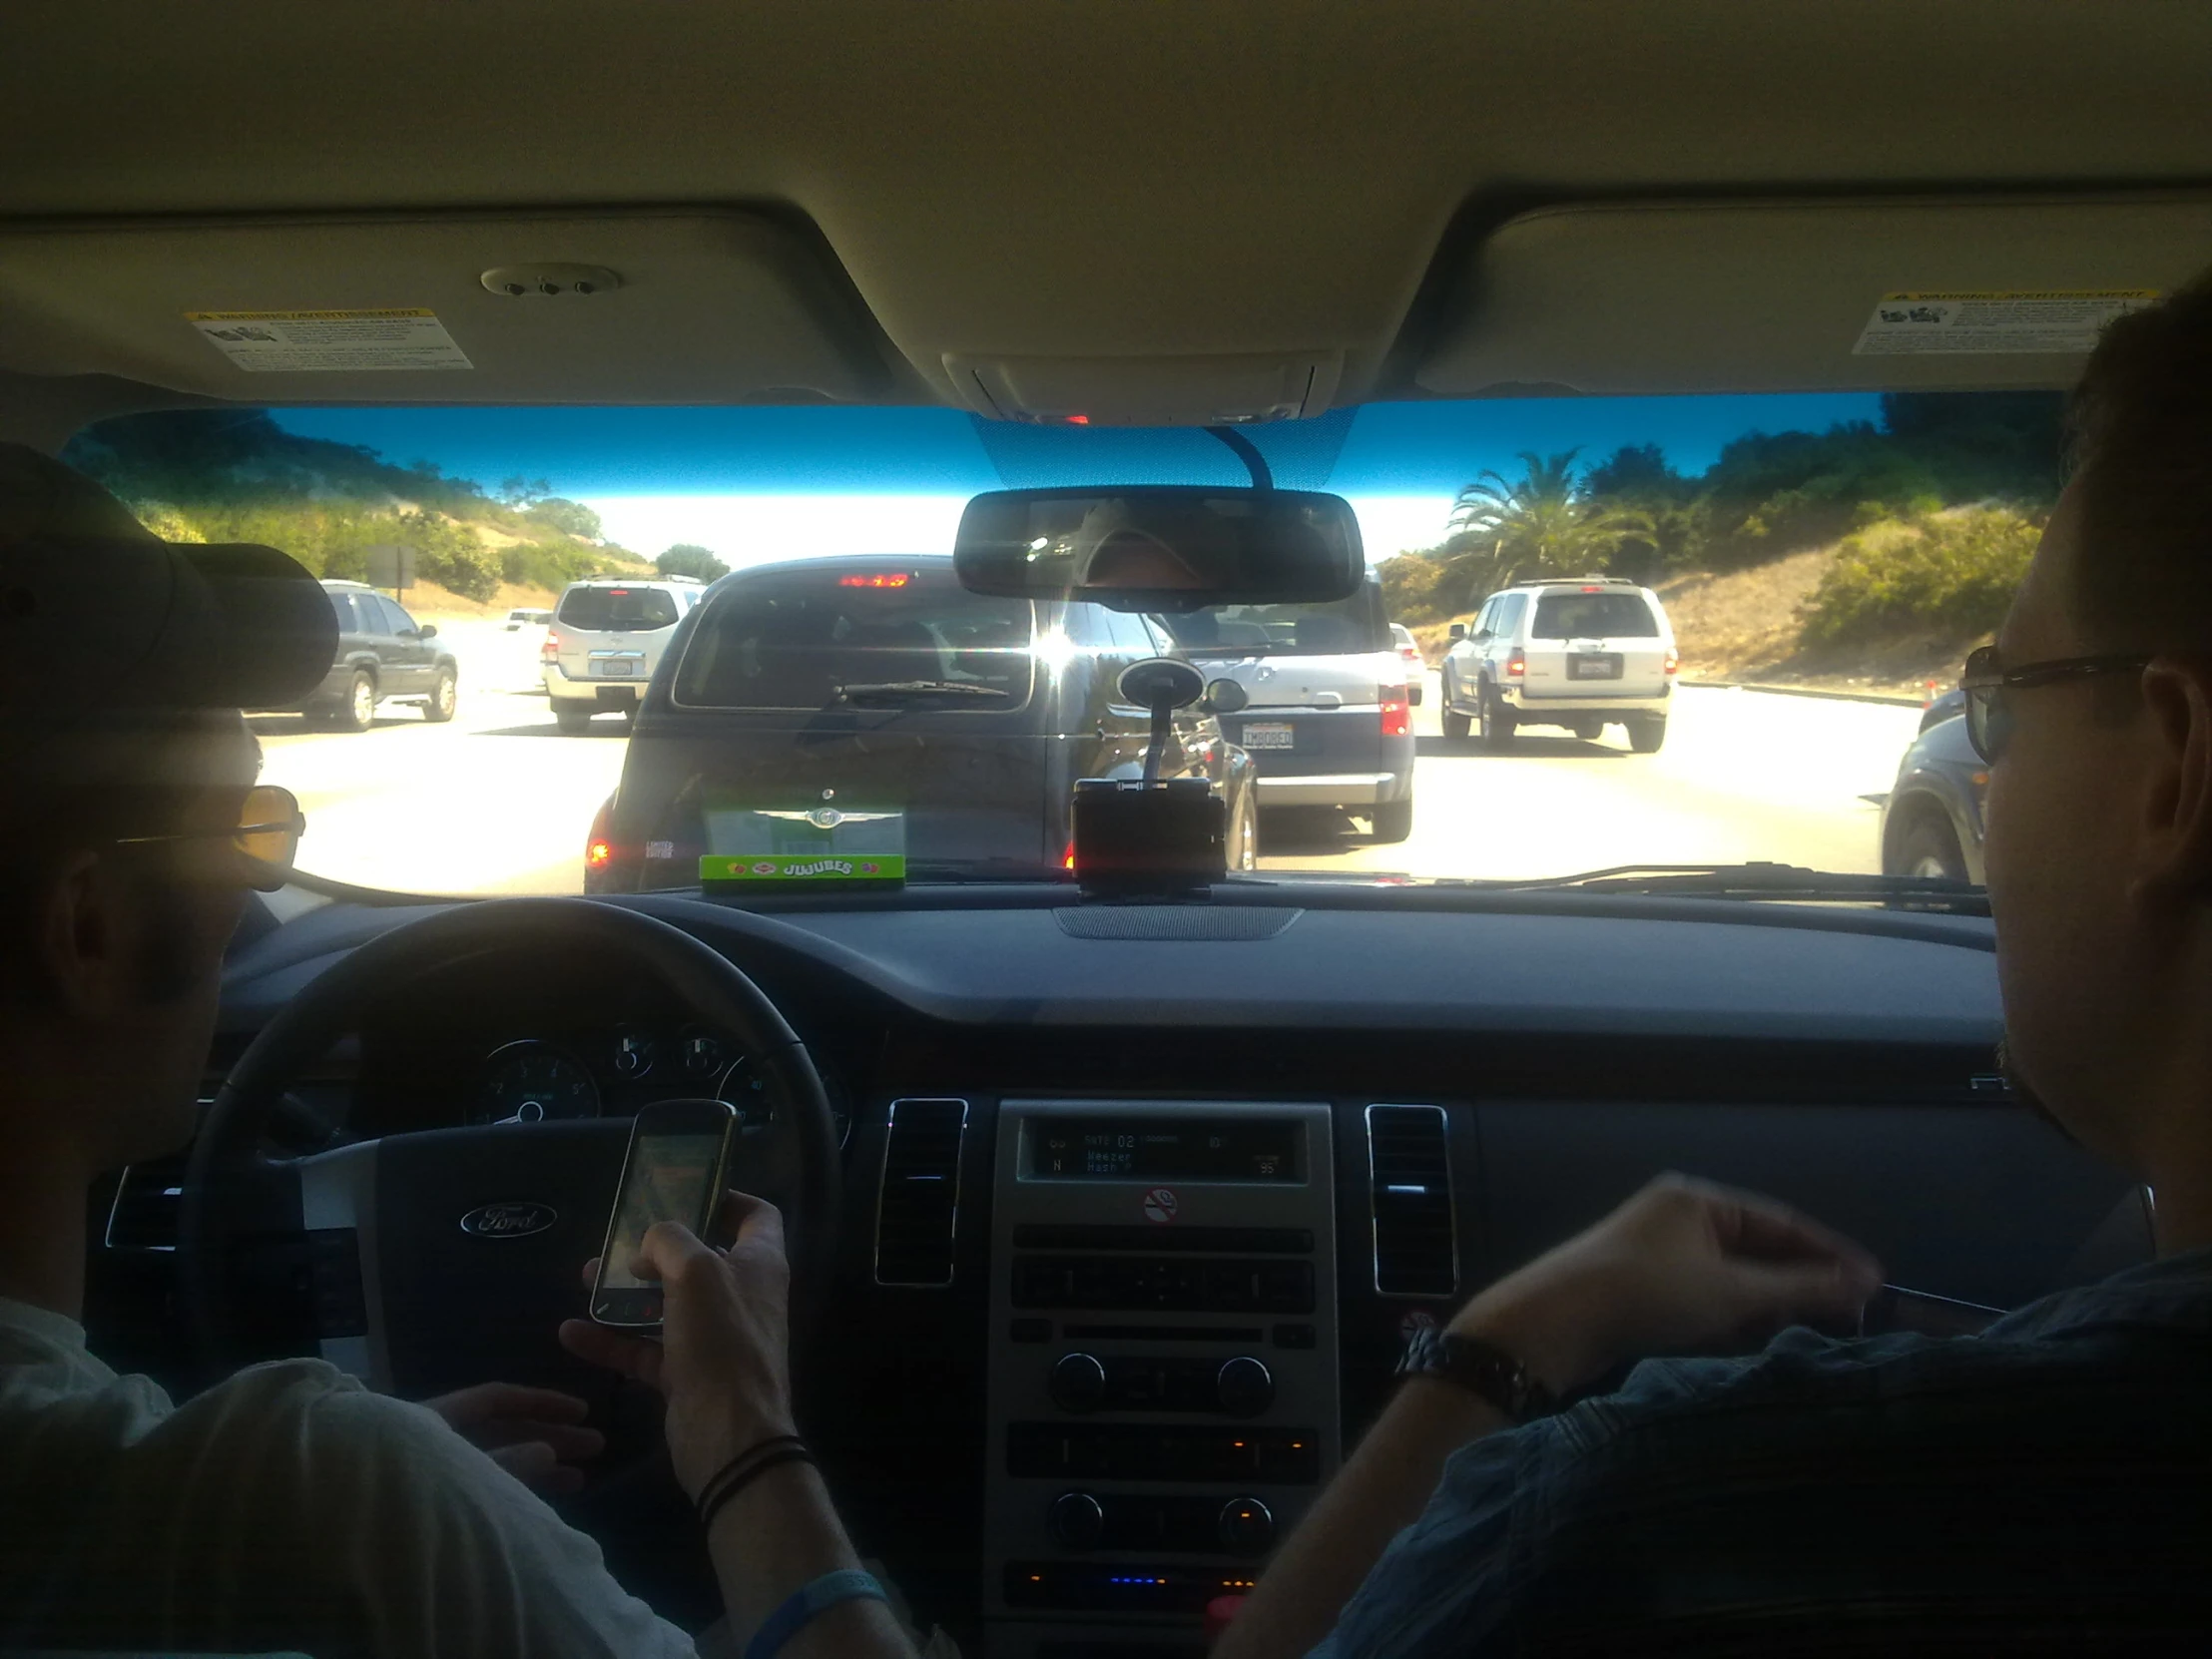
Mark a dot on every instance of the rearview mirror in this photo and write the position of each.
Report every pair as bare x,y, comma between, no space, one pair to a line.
1161,548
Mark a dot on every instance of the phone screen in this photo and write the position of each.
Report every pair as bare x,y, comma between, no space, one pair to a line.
667,1180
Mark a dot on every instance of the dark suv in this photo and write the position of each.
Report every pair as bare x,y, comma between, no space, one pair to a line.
383,655
842,686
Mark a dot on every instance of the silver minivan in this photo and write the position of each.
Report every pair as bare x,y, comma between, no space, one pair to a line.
1329,723
606,640
1582,653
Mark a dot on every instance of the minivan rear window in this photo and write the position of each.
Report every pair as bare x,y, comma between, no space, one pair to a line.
1593,615
1340,628
606,609
860,637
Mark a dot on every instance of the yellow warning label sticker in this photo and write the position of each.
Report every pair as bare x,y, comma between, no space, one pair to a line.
1989,322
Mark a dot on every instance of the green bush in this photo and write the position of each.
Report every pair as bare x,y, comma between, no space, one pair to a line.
1411,588
1954,574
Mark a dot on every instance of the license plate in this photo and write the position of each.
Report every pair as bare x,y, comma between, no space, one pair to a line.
1593,668
1269,736
617,668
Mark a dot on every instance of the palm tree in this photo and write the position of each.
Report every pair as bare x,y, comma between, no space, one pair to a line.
1542,525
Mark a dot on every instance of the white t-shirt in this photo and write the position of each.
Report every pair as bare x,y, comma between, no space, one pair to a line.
285,1508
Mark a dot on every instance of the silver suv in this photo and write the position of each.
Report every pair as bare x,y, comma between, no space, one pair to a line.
1582,653
607,637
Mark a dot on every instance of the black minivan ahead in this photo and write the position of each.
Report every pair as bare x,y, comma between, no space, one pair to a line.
882,692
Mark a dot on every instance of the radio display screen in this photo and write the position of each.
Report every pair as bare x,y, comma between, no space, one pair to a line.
1164,1149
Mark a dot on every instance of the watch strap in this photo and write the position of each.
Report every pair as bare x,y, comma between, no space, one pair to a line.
1484,1369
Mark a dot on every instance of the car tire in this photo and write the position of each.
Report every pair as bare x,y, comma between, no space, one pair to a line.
1646,733
1929,848
443,695
1495,724
572,720
1456,724
1393,820
357,713
1244,836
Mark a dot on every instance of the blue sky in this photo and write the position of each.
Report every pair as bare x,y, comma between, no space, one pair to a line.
759,483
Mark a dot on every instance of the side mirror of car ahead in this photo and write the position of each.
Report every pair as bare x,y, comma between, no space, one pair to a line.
1223,697
428,631
1163,548
1458,630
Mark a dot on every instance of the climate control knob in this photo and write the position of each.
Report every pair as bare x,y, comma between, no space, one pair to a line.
1244,1387
1247,1525
1078,1382
1076,1520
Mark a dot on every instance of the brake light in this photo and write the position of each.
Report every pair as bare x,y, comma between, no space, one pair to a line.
599,845
1674,661
1593,588
883,579
552,646
1516,665
1397,715
1067,860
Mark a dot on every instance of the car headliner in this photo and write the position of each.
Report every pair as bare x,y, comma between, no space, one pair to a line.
1175,211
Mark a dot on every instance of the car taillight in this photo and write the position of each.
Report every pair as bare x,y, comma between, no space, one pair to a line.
552,646
1398,718
1674,661
1067,859
599,845
1516,666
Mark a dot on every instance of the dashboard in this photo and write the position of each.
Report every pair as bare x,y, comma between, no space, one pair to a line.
1139,1199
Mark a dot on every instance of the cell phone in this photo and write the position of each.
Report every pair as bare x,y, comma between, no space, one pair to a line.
1894,1308
674,1171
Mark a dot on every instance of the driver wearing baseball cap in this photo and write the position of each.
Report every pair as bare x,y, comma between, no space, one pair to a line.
287,1507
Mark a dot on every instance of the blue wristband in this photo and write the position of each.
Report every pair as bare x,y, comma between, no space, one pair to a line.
826,1592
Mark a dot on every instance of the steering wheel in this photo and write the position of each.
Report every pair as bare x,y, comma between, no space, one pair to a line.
429,1261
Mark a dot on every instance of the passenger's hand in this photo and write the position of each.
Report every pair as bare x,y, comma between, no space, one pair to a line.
724,1358
535,1435
1684,1266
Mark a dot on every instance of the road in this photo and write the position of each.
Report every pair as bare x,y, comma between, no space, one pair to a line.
498,800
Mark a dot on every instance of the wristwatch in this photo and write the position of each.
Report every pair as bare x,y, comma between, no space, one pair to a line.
1482,1368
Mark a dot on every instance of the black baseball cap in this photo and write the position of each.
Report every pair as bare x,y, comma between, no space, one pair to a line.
99,616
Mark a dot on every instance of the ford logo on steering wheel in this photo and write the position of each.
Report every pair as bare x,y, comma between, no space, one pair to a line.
509,1220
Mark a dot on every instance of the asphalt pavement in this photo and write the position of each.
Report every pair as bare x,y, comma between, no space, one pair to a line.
499,800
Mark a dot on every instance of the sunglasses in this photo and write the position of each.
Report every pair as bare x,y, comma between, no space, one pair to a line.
1988,685
266,837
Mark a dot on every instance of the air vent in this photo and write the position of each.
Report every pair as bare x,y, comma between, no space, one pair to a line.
918,1207
1409,1183
144,1215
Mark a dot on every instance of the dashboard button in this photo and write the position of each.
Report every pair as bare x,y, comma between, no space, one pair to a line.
1076,1520
1244,1387
1247,1525
1078,1382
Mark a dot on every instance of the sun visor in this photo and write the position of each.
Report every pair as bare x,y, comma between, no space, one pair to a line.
606,307
1760,297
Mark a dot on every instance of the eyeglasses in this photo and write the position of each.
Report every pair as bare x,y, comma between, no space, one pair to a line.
267,835
1987,685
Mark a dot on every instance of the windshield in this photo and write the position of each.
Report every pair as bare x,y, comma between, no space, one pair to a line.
638,647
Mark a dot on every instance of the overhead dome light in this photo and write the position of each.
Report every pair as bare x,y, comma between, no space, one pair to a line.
551,281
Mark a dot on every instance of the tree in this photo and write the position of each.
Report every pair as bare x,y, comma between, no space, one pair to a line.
520,492
1543,523
571,518
687,559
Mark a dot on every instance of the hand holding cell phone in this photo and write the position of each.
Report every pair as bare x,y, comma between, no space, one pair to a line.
674,1171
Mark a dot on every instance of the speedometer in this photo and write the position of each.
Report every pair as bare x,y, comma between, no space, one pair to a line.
743,1087
527,1082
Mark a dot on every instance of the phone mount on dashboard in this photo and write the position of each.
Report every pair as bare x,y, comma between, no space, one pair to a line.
1148,834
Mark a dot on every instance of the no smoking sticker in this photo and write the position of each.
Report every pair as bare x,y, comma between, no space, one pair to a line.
1159,1206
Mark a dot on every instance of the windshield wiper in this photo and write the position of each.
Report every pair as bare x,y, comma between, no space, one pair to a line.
1765,879
900,691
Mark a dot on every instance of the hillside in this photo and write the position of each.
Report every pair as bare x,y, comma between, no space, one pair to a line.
236,475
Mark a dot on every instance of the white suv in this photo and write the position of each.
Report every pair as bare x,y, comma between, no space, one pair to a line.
607,638
1582,653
